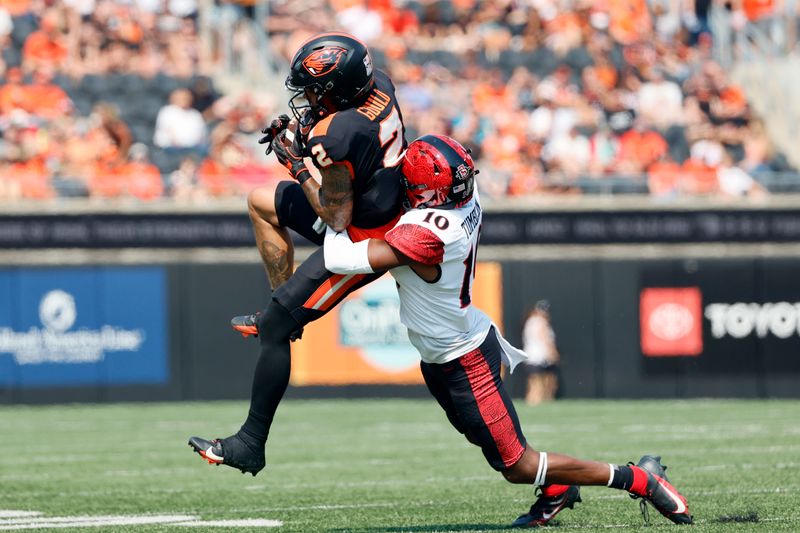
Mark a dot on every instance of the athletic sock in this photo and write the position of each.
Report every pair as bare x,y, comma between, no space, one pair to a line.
553,491
630,478
622,477
271,376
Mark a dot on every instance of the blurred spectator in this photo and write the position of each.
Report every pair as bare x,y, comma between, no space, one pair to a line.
46,99
140,178
203,96
568,153
213,175
639,148
664,178
539,342
178,125
356,18
117,130
13,94
660,101
734,181
45,47
698,177
184,183
17,8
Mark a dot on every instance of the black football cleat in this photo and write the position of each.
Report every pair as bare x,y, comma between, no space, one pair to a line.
548,505
231,451
660,493
247,325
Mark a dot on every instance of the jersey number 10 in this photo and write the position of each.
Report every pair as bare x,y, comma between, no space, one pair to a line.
469,263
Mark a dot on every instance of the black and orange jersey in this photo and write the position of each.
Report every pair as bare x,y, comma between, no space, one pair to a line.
367,139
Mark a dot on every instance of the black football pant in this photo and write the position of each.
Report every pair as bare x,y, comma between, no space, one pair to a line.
307,295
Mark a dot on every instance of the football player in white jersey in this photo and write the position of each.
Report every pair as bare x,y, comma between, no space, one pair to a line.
431,253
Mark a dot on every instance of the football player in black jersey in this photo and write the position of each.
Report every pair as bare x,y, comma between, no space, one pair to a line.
347,121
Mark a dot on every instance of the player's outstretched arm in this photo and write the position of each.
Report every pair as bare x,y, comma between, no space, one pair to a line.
343,256
333,200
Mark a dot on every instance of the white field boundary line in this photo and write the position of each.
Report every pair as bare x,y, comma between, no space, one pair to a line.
34,520
63,522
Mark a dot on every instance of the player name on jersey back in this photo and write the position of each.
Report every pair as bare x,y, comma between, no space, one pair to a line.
472,220
375,104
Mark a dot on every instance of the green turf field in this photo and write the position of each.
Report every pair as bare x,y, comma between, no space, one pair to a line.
389,465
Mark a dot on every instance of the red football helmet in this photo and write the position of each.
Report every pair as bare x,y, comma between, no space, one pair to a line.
438,172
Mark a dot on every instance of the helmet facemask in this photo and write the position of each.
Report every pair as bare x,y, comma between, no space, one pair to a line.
303,110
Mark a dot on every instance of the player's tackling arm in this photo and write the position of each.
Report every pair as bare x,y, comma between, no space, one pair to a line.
343,256
333,200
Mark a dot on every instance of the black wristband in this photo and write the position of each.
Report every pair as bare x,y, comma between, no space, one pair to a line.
303,176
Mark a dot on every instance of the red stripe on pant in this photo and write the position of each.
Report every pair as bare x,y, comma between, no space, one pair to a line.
492,408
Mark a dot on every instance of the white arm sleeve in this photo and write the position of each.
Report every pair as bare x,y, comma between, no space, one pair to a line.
343,256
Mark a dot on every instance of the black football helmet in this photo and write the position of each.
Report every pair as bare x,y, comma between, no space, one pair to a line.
336,67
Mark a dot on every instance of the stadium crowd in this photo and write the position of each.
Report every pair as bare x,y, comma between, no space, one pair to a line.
106,98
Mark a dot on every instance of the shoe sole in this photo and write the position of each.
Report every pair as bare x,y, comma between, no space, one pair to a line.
203,454
568,504
246,331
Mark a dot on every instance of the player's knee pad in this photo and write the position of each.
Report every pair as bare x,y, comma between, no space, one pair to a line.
275,324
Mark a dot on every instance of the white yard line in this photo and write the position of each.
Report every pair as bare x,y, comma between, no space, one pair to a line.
18,520
63,522
247,522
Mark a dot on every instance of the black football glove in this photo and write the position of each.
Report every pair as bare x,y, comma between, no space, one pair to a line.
270,132
290,155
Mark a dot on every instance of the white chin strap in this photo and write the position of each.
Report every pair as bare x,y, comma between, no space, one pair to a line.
541,472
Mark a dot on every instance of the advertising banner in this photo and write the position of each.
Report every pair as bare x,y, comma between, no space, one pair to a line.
225,230
361,341
729,316
69,327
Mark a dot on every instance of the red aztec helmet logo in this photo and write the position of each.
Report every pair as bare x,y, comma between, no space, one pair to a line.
325,60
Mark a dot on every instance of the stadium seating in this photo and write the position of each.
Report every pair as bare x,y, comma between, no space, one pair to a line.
558,49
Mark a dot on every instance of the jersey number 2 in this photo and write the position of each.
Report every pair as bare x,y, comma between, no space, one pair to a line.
322,156
391,137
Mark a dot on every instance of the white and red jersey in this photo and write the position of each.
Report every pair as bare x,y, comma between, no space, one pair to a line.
441,320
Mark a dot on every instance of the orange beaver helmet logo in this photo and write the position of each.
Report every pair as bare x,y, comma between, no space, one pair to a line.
325,60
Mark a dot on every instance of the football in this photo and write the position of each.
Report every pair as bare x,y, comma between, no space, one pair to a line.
291,129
